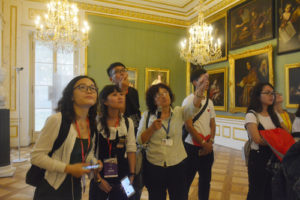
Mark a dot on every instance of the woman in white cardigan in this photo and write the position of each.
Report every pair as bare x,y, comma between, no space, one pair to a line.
65,168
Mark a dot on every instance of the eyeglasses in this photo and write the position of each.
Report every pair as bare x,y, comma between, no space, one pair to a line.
119,71
163,94
85,88
269,93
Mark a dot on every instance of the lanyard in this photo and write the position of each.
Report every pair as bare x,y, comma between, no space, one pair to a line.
167,129
89,138
108,142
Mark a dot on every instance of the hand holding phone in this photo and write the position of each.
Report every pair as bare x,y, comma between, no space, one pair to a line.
128,188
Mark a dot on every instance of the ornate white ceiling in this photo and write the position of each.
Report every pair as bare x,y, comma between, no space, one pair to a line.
180,13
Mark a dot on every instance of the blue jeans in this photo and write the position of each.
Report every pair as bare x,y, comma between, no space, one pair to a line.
202,165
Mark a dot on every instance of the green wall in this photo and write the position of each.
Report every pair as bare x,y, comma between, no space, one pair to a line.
137,45
278,65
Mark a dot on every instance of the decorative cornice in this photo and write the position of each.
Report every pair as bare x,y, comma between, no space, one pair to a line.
132,15
175,19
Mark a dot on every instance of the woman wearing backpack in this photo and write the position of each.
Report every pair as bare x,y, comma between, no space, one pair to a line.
75,118
260,116
161,129
115,146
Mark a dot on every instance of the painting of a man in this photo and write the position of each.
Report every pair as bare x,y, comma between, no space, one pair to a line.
249,71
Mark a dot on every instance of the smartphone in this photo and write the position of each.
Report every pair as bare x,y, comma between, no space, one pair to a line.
91,167
128,188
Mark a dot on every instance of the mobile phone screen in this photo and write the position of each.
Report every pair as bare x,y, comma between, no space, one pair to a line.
91,167
128,188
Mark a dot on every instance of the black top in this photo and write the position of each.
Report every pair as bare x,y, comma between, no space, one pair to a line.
46,192
133,107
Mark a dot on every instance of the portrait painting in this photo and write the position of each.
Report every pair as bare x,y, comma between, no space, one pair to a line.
132,77
288,26
219,24
292,85
246,70
217,90
155,76
251,22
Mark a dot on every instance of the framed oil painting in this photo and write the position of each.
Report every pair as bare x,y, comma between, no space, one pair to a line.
292,85
251,22
247,69
288,26
219,24
217,90
132,77
155,76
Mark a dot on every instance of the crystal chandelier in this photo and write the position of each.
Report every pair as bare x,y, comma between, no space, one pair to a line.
61,28
200,48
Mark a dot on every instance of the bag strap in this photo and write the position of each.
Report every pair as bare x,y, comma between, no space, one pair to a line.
202,110
62,135
126,122
147,119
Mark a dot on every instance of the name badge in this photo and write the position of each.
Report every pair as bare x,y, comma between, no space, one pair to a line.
110,167
167,142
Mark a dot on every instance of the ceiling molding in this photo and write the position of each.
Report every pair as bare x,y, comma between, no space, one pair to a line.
177,13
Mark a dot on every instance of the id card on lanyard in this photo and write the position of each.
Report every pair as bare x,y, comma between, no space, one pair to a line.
83,155
167,141
110,165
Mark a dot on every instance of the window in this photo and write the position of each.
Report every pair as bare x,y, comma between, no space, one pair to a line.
53,70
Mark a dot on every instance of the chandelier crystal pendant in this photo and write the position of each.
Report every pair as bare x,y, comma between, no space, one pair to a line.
200,47
61,28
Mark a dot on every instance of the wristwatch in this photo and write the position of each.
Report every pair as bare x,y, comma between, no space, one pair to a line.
99,180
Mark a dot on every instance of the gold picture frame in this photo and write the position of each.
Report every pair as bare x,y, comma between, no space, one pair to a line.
219,24
133,77
218,87
156,75
250,67
292,84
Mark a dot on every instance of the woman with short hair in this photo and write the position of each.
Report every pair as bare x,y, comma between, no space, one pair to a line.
165,155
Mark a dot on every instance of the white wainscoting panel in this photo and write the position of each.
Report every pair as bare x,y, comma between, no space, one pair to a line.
230,132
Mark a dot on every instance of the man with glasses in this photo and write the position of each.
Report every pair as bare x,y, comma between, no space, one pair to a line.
118,75
199,142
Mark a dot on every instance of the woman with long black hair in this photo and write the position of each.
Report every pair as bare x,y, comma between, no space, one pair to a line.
76,117
115,146
260,116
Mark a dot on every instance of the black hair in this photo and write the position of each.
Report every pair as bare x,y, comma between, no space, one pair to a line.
255,102
112,66
151,93
65,104
298,111
107,90
196,74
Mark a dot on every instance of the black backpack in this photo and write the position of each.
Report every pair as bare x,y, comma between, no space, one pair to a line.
35,174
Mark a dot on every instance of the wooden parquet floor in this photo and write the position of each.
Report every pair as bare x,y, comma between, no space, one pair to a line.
229,178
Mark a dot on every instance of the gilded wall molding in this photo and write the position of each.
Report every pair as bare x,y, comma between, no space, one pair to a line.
33,12
13,56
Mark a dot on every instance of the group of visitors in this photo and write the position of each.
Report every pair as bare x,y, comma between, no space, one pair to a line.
105,127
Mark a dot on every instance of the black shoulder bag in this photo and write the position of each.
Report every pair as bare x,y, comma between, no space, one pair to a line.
185,133
35,174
